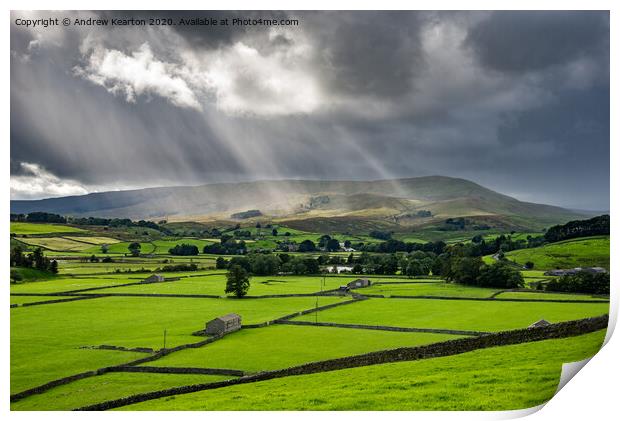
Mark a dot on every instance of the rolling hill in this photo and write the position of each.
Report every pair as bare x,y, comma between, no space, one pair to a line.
391,204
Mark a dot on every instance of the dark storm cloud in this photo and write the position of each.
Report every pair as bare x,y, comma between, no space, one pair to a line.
514,101
369,53
519,41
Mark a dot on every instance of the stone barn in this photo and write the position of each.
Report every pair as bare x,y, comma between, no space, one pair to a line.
359,283
223,324
154,278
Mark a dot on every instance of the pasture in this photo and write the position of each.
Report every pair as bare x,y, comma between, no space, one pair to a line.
28,228
504,378
580,252
486,316
94,315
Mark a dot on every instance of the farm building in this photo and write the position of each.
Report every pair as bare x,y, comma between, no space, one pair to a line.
359,283
223,324
595,270
154,278
573,271
540,323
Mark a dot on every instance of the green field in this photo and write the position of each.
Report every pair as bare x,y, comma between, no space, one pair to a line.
46,339
94,240
486,316
286,346
215,283
580,252
26,228
428,289
54,340
109,386
486,380
56,243
548,296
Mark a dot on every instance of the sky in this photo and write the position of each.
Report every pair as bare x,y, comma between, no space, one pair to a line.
515,101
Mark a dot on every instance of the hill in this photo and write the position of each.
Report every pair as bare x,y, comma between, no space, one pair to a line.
389,204
580,252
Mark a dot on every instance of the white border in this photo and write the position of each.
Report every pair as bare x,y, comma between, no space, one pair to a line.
592,394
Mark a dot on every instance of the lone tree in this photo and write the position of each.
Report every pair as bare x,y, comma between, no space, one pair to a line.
238,281
134,248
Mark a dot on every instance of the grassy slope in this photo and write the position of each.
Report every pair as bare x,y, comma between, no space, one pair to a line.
451,314
589,251
259,285
503,378
30,228
45,340
109,386
282,346
57,243
431,289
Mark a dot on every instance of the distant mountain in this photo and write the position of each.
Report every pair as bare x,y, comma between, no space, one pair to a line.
392,202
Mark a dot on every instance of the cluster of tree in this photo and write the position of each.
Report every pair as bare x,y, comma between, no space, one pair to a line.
598,225
502,243
181,267
380,235
38,217
458,224
393,246
327,243
134,248
184,250
263,264
227,245
585,282
243,233
117,222
35,260
473,271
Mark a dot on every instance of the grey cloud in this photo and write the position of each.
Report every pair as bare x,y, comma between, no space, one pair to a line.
520,41
388,107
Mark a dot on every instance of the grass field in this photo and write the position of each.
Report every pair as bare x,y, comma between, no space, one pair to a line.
430,289
580,252
26,228
452,314
94,240
215,283
109,386
56,243
69,283
547,296
54,340
46,340
486,380
282,346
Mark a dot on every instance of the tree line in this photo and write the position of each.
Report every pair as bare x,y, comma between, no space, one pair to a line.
598,225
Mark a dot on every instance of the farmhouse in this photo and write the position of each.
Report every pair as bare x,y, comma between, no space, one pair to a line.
540,323
359,283
154,278
223,324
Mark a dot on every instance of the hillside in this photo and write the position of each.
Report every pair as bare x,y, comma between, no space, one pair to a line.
579,252
386,203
